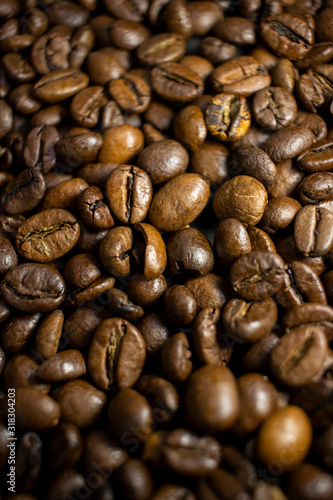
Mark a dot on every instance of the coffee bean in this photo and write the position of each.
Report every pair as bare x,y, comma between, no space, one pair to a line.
299,355
150,254
47,235
317,158
210,161
288,143
33,288
231,241
65,446
274,108
314,122
176,358
313,231
228,117
17,332
86,106
216,51
280,212
60,84
135,480
117,355
236,30
312,314
162,396
66,365
39,150
8,257
35,410
307,478
175,82
209,290
131,93
257,275
94,212
101,449
249,321
180,305
254,162
288,35
144,292
21,371
285,75
315,188
49,333
205,336
161,48
115,251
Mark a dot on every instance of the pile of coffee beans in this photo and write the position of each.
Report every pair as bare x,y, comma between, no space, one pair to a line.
166,250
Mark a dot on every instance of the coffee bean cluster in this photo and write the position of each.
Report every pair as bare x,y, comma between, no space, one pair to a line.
166,249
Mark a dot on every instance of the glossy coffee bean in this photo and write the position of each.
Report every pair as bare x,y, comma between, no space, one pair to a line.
65,446
146,292
211,399
161,48
163,160
180,305
49,333
309,481
313,231
254,162
288,143
121,144
228,117
176,358
60,84
317,158
162,396
35,410
236,30
66,365
117,355
175,82
135,480
206,336
274,108
231,241
209,290
102,450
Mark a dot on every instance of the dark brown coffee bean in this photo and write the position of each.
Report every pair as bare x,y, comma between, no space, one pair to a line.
24,193
205,336
130,417
178,18
274,108
149,251
94,212
101,449
301,284
176,358
52,115
324,27
288,35
33,288
117,355
299,355
17,332
35,410
172,491
287,178
189,454
164,160
175,82
129,193
6,115
312,314
80,326
155,329
81,270
120,306
21,371
249,321
315,188
228,117
260,240
212,485
49,333
47,235
39,150
8,257
216,51
288,143
131,93
162,48
243,198
51,52
190,127
86,106
206,389
171,210
258,399
144,292
97,288
162,396
313,231
60,84
17,68
80,402
121,144
199,65
66,365
257,275
115,251
23,99
309,481
285,75
317,158
242,76
231,241
210,161
256,163
134,11
65,446
135,480
128,35
180,305
209,291
68,13
78,147
280,212
96,174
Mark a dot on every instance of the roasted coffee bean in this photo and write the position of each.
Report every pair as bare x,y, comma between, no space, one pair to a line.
254,162
86,106
312,314
49,333
274,108
144,292
313,231
117,355
58,85
176,358
130,416
249,321
103,67
231,241
309,481
65,446
284,74
228,117
324,28
66,365
162,396
288,143
212,485
162,48
258,357
287,178
169,491
299,355
115,251
80,326
8,257
128,34
135,480
163,160
260,240
24,193
216,51
21,371
189,250
94,212
96,174
178,18
120,306
64,195
288,35
47,235
17,332
180,305
314,122
257,275
243,198
208,413
315,188
199,65
314,88
39,150
131,93
129,193
258,399
205,336
78,147
93,291
150,254
175,82
317,158
209,290
289,448
169,212
280,213
301,284
35,410
155,329
190,454
134,11
242,76
236,30
33,288
210,161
